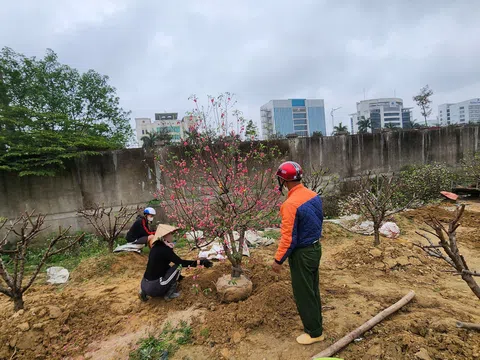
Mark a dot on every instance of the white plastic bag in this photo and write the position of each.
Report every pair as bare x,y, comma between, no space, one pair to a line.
57,275
390,230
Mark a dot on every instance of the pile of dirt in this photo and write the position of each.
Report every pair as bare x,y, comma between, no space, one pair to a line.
272,309
53,331
390,255
444,214
63,320
271,305
430,333
111,264
100,304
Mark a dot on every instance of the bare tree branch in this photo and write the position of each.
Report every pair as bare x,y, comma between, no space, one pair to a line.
448,243
107,223
27,227
49,253
376,199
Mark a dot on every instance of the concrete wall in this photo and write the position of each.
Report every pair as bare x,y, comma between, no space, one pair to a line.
111,179
350,155
123,176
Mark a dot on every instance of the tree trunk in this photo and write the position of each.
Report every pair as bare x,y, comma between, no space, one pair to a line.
17,302
236,271
111,243
472,284
376,233
236,267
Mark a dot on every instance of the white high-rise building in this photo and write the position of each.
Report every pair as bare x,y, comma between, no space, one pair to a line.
381,112
459,113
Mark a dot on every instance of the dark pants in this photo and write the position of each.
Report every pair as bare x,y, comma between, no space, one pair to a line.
166,285
143,240
304,269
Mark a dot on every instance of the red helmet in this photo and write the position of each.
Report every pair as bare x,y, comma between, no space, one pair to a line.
290,171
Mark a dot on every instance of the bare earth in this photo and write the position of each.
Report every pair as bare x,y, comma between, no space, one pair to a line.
98,316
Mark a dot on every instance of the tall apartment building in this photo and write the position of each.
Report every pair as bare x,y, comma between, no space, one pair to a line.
459,113
293,116
381,112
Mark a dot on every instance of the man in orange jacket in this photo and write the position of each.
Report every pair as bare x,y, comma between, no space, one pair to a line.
302,220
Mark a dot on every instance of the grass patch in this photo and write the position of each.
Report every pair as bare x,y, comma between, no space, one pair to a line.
205,333
90,246
154,202
164,345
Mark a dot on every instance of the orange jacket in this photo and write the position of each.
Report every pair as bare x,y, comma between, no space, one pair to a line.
302,220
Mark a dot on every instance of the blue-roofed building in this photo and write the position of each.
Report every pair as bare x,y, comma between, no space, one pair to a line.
293,116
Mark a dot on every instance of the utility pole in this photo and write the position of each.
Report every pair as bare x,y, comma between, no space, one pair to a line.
333,121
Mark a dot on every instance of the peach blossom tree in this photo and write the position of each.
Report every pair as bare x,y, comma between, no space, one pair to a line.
217,184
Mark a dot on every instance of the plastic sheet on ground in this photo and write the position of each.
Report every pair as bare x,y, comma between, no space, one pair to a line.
194,235
129,248
390,230
215,250
364,228
57,275
255,239
350,223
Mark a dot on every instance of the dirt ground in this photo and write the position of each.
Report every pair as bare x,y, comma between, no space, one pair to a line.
97,315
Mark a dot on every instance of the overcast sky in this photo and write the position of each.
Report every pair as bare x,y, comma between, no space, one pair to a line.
157,53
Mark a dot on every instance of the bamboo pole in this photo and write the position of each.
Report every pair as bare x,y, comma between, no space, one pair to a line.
469,326
347,339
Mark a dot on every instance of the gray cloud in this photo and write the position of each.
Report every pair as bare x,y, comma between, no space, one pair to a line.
157,53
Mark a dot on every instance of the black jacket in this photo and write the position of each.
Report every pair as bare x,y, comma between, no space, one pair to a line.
159,261
140,228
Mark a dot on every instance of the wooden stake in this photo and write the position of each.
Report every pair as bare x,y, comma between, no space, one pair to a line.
347,339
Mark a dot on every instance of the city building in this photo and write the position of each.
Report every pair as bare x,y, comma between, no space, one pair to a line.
381,112
459,113
163,122
293,116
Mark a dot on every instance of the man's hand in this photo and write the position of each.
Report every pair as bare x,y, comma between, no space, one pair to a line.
276,267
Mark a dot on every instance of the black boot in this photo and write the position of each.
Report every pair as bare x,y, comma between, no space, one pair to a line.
171,293
142,295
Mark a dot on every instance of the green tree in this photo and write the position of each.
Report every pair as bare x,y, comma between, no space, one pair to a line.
317,134
41,143
50,113
423,101
251,131
164,136
391,126
340,129
149,140
364,125
411,124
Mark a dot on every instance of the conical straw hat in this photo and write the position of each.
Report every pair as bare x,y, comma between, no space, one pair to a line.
162,230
